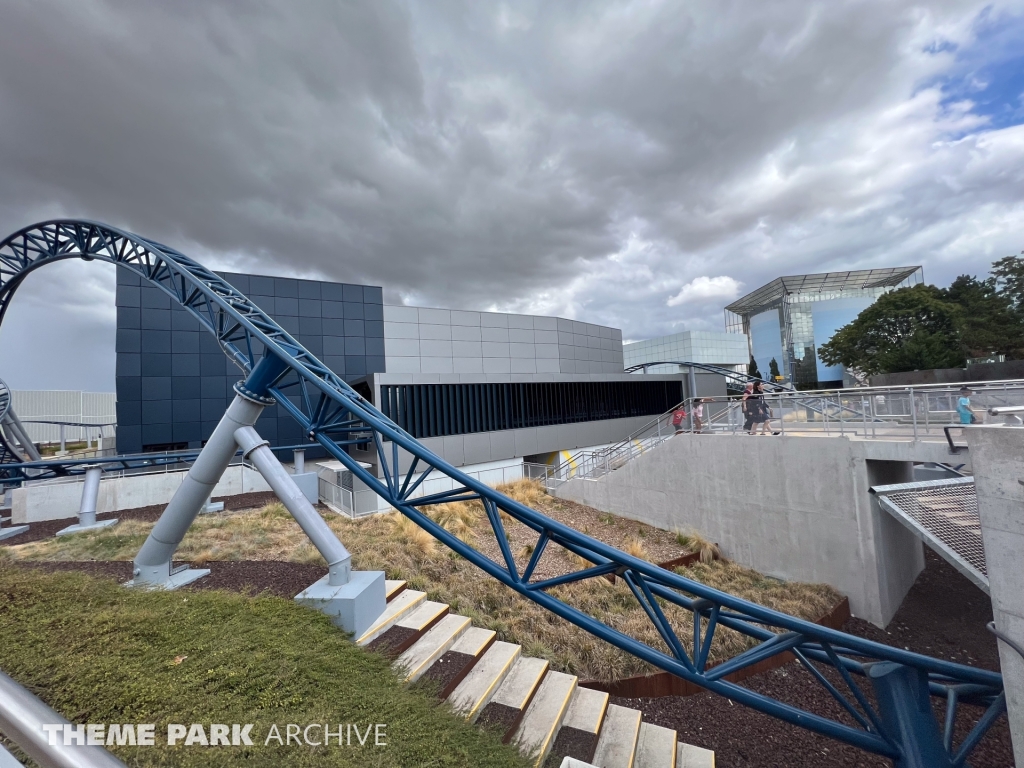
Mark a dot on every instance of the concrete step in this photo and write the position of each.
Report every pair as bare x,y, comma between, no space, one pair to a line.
455,663
394,611
416,659
689,756
408,629
655,747
506,707
543,718
616,745
392,588
577,738
476,690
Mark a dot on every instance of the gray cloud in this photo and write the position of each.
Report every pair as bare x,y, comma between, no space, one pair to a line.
585,159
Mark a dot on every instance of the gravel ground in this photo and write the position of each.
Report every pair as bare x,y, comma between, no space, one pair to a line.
944,615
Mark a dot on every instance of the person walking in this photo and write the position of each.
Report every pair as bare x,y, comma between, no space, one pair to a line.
678,417
747,406
698,415
963,407
762,411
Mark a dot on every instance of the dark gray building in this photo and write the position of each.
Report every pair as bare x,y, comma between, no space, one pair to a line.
174,382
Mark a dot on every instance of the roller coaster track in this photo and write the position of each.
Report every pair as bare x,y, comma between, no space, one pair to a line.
334,415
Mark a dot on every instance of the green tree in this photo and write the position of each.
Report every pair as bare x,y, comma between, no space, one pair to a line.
991,324
908,329
773,369
752,368
1009,277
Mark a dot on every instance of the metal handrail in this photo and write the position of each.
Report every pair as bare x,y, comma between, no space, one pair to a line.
22,717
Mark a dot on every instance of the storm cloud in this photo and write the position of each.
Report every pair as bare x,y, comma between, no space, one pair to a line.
636,164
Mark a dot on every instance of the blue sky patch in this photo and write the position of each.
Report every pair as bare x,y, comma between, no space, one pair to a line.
990,71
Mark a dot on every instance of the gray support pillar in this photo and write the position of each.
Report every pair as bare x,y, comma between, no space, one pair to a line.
63,443
997,457
257,450
353,599
153,563
299,460
15,428
87,510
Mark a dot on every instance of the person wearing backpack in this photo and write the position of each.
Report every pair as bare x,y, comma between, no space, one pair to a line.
678,416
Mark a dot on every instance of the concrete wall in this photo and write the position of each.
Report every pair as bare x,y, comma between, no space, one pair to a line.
797,508
423,340
57,501
998,470
1011,369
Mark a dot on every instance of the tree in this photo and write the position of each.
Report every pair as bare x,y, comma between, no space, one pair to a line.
908,329
991,324
773,369
752,368
1009,277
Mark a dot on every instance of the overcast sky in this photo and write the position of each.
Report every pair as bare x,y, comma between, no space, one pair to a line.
634,164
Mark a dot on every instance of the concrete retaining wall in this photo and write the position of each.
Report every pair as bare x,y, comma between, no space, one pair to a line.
57,501
998,469
797,508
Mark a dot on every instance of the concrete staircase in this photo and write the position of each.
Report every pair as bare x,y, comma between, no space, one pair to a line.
543,712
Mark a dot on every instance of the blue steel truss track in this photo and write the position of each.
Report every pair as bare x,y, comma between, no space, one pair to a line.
334,415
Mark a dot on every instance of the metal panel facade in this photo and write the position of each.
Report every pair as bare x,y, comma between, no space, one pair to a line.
174,382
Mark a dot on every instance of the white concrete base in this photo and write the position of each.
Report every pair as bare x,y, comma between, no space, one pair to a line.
309,484
212,506
998,453
60,501
79,528
353,606
7,533
177,579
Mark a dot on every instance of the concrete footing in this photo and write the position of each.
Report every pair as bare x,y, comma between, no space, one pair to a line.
177,578
353,606
17,530
83,527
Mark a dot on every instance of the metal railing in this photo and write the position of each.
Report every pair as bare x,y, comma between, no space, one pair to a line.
22,717
356,503
875,413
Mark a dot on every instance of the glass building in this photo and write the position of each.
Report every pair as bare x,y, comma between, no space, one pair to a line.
790,317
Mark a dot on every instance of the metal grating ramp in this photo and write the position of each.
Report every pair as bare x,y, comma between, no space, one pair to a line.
945,514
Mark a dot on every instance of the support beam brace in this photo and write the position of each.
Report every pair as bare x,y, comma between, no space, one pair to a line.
87,510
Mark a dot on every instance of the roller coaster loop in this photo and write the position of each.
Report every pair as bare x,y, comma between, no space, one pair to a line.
896,721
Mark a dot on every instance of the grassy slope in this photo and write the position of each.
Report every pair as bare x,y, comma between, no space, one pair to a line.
394,544
99,653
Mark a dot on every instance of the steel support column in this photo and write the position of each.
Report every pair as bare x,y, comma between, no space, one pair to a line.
153,563
87,509
906,710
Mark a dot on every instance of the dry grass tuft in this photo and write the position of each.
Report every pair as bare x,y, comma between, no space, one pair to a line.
635,547
709,551
406,531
